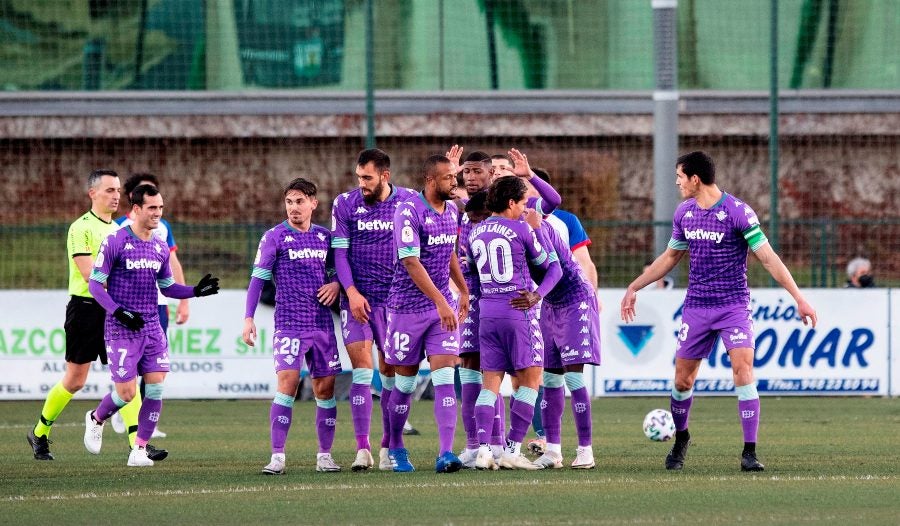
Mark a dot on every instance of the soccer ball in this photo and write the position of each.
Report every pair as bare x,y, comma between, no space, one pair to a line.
659,425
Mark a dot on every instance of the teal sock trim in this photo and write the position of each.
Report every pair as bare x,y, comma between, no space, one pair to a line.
553,380
387,382
746,392
682,395
574,380
526,394
363,376
116,400
486,397
326,404
442,376
406,384
470,376
153,391
283,400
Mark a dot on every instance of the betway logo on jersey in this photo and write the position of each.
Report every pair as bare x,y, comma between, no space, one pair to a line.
443,239
375,224
699,233
132,264
307,253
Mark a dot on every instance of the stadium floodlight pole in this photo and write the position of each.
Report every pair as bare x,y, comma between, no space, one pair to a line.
370,74
665,120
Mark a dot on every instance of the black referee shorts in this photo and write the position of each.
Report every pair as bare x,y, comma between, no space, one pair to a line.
85,319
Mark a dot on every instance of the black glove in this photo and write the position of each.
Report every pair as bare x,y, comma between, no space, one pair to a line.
207,286
130,319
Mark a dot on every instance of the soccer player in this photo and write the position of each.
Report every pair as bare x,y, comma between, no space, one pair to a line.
131,264
421,319
570,324
363,243
296,254
84,316
503,247
716,230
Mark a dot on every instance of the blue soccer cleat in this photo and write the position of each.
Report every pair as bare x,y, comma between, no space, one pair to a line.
400,460
447,462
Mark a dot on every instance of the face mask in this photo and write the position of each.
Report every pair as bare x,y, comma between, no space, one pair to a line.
866,281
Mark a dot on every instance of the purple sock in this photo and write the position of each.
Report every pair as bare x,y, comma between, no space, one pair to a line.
520,420
280,421
484,419
399,413
749,413
147,419
581,408
498,437
105,409
386,416
681,412
552,411
468,396
361,413
445,415
326,421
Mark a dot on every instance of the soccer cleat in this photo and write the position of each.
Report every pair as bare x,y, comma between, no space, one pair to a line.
93,434
408,429
275,466
40,445
538,446
468,457
155,454
158,434
138,458
447,462
584,458
485,460
363,461
549,460
748,462
675,458
511,461
384,460
118,423
400,460
326,464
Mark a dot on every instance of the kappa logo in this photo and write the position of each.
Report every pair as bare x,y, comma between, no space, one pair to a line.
467,332
406,212
288,239
689,215
583,306
158,249
585,342
361,210
738,203
283,420
537,358
536,334
586,354
429,221
701,234
721,215
128,246
584,329
468,345
584,317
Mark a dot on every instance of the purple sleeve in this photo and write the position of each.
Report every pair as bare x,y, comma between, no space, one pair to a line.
342,266
551,278
541,247
550,198
103,298
253,293
178,291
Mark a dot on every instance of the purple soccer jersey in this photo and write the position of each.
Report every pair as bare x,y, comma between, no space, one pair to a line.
572,286
133,271
717,240
424,233
367,232
466,265
300,263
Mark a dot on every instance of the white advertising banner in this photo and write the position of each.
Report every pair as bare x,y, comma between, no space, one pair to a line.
894,357
846,354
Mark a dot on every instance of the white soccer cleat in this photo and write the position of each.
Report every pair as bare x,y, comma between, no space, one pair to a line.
158,434
485,460
138,458
511,461
326,464
584,458
93,434
549,460
118,423
468,458
363,461
384,460
275,466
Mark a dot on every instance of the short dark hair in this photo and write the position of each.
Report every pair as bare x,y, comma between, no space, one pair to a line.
477,157
303,186
144,190
543,174
429,170
380,159
504,189
700,164
95,176
136,179
477,202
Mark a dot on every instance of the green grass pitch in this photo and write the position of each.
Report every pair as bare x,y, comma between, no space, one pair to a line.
828,461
